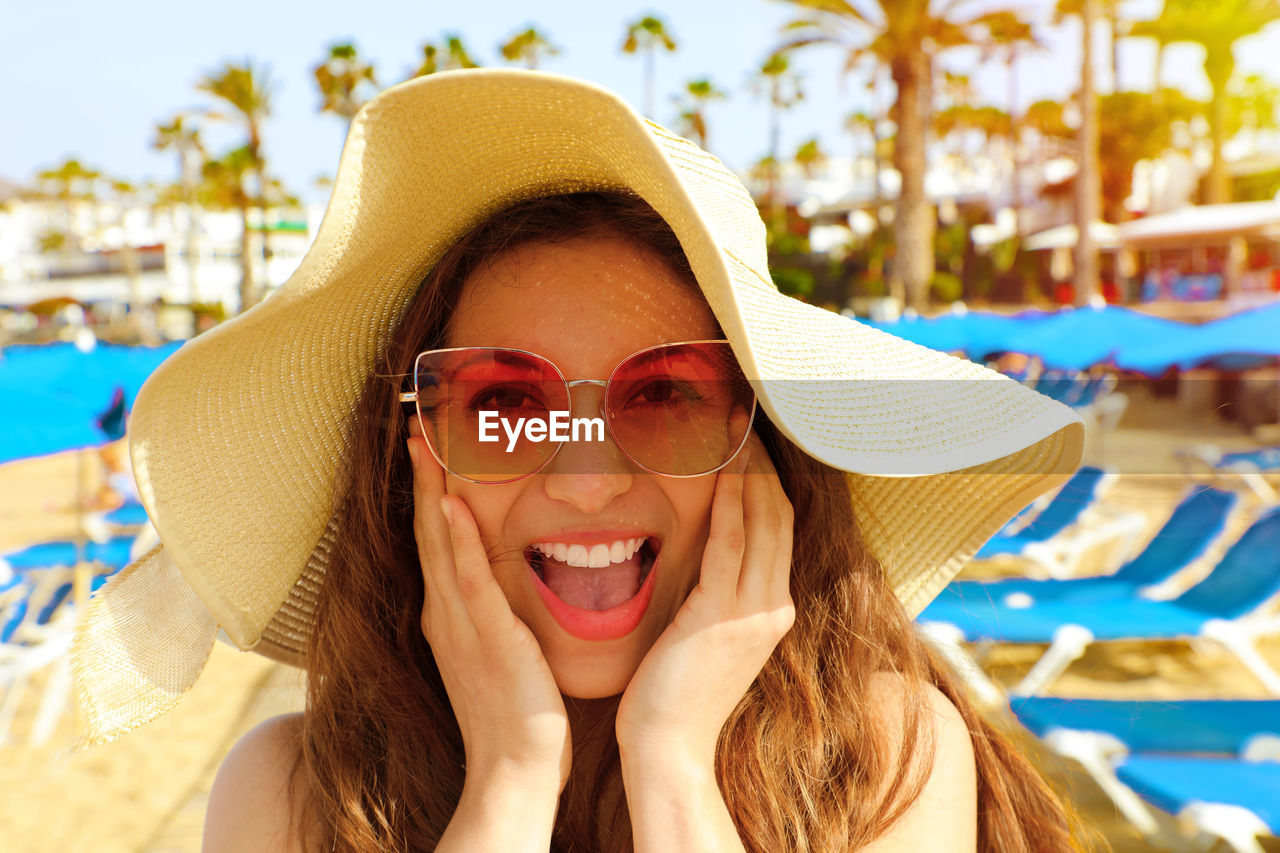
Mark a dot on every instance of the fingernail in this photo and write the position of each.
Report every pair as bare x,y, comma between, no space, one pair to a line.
413,452
446,510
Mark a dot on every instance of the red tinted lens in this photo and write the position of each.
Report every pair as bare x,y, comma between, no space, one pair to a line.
475,405
680,409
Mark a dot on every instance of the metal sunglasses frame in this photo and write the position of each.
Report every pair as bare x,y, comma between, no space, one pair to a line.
412,397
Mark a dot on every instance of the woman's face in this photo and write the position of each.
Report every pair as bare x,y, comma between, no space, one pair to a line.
586,304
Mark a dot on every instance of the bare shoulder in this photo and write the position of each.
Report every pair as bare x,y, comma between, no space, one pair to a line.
888,694
945,818
252,806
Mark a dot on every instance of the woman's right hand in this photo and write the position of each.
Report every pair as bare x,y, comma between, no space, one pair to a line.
509,709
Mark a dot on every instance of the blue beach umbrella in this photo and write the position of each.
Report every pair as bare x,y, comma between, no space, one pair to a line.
1079,338
978,334
1237,342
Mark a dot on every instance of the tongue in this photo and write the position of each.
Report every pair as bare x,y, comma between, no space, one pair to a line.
592,589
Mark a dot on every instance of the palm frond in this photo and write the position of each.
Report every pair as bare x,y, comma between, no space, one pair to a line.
837,8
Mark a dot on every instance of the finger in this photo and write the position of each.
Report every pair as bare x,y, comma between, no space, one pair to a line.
428,488
766,567
478,589
726,537
431,530
781,580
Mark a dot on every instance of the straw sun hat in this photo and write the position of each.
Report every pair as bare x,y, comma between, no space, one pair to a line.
237,438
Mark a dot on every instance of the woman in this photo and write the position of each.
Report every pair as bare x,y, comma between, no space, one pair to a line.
686,632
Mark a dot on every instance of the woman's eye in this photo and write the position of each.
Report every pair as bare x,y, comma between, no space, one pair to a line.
666,392
507,400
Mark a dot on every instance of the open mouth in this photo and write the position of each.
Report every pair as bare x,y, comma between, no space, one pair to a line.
595,592
596,577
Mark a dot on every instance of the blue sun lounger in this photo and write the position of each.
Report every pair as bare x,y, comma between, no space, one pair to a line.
1249,465
1266,459
128,514
1195,523
37,569
1076,495
1223,726
35,627
64,553
1218,608
1233,799
1073,522
1213,761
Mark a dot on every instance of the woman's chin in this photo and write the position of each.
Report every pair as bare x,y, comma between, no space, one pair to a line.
594,677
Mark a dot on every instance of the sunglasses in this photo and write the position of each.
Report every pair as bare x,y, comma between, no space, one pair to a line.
496,415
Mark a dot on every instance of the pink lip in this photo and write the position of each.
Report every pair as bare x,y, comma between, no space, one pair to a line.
597,625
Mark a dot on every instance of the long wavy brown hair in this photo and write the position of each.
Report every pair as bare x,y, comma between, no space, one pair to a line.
803,762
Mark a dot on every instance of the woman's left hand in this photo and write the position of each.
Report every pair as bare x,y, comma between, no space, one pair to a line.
702,664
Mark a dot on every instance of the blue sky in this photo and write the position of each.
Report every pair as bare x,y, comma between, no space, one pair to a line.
98,76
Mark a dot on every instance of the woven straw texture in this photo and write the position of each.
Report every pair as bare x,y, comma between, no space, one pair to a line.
236,439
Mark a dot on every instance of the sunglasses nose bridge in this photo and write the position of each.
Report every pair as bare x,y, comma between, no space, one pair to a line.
593,471
600,383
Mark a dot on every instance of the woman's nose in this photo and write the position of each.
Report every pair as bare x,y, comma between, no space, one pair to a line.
591,471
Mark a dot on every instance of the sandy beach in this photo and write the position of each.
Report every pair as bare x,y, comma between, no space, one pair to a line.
147,791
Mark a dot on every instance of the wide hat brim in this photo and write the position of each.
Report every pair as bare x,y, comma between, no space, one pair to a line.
236,454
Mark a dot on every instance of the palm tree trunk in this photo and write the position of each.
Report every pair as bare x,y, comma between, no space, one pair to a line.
913,222
1087,188
1218,68
876,109
262,223
260,189
1015,161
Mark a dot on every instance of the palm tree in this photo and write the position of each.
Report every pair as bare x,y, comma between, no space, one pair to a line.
810,157
1047,119
223,186
1164,31
1007,35
858,123
693,118
247,90
1215,25
781,85
957,117
646,35
69,183
1108,11
124,195
907,37
950,121
182,136
1254,104
1135,126
450,56
529,47
870,121
340,77
861,122
1088,180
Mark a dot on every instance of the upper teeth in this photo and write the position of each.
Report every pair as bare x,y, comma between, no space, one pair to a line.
592,556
